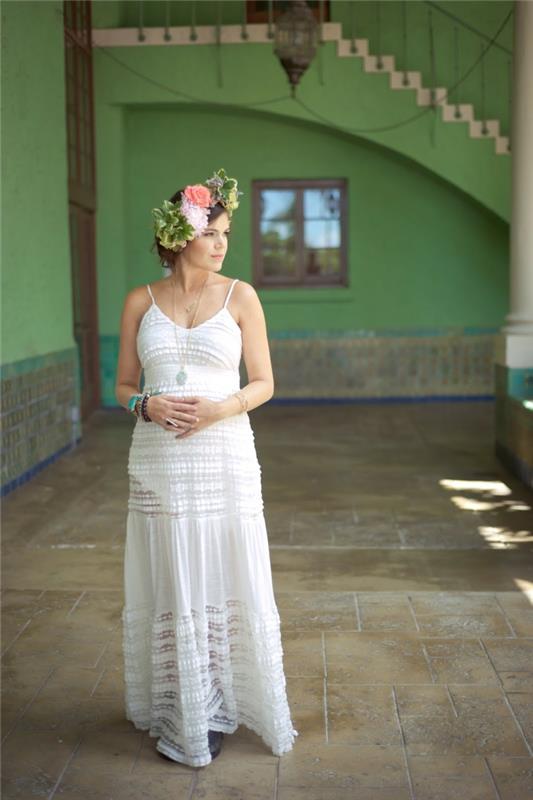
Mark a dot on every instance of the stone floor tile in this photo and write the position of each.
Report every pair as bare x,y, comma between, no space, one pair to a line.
72,680
417,700
338,766
370,657
33,765
518,608
110,683
459,661
103,608
359,569
307,692
464,625
362,715
317,610
477,721
160,785
24,679
510,654
113,655
363,793
513,777
438,539
110,746
516,680
303,654
375,535
451,777
310,721
379,612
454,603
59,711
64,568
229,778
23,602
403,598
522,705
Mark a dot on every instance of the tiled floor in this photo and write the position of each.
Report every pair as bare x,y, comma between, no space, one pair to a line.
402,561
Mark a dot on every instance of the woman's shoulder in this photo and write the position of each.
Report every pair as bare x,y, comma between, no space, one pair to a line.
140,293
244,289
137,301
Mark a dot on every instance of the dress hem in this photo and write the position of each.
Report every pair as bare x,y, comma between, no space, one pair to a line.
167,749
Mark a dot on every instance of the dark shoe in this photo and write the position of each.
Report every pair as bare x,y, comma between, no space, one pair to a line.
159,753
215,742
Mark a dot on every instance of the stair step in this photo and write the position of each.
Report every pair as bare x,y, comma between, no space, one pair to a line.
502,145
412,79
397,78
344,48
449,110
424,96
492,127
372,62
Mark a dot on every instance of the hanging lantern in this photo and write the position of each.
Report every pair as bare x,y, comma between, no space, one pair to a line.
295,40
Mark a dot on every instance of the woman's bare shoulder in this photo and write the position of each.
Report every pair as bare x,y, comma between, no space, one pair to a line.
244,290
246,301
137,299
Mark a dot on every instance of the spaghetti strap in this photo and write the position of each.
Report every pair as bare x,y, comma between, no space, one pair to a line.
229,293
150,292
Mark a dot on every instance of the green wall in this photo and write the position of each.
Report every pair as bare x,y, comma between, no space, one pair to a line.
481,22
485,85
441,253
36,284
421,253
335,93
428,245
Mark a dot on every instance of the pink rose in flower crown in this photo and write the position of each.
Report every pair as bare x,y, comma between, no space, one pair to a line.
198,194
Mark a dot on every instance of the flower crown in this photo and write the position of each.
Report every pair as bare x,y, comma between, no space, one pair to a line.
175,224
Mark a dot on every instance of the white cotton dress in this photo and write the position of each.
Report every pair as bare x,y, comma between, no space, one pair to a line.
201,630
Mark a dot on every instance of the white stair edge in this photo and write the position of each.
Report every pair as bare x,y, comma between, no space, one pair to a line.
331,32
466,112
397,80
492,127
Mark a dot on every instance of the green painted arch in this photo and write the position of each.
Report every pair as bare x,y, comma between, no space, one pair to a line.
421,252
148,75
312,125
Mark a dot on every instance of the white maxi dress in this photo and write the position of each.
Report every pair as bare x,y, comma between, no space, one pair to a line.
201,630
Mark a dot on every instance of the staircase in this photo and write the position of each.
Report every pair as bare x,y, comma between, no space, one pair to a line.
331,31
412,80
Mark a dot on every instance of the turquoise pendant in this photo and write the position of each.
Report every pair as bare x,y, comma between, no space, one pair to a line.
181,377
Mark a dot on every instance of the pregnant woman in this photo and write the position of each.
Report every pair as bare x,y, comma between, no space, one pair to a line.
201,630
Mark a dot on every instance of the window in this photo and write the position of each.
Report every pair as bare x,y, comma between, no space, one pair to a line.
299,232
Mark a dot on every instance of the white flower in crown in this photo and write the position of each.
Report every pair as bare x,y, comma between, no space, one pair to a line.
195,215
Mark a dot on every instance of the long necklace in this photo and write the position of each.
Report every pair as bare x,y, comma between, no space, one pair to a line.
181,377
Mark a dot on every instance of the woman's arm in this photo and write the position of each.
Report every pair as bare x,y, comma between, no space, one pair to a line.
129,367
256,353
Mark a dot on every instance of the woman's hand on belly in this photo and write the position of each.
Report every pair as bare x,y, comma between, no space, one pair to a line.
206,411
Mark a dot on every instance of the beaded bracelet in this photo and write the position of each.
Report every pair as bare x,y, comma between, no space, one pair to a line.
243,400
144,403
132,402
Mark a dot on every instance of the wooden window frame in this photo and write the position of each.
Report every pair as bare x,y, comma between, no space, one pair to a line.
254,15
300,280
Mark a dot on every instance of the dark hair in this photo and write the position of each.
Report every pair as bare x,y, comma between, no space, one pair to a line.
167,257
